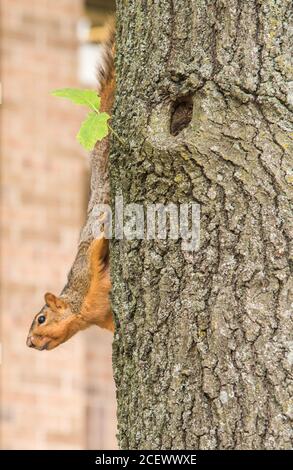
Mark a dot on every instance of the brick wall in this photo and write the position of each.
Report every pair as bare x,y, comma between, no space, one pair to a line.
62,399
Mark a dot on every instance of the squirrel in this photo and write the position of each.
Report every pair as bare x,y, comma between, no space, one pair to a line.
84,300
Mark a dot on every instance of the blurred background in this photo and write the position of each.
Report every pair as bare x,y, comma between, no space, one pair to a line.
65,398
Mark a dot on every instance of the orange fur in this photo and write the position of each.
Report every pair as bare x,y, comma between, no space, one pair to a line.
96,307
61,323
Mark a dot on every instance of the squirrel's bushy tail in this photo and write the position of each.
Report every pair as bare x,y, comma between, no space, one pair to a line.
105,71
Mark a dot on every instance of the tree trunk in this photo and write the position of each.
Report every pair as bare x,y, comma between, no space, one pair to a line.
203,351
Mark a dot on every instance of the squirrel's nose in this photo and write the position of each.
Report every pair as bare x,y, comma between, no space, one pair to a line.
29,342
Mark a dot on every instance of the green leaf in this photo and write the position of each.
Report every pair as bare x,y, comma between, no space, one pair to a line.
94,128
84,97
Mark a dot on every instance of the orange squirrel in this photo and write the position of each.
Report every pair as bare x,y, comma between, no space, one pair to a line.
85,299
56,323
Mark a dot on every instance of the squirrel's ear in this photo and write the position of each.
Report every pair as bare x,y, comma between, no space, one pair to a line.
54,302
50,299
60,303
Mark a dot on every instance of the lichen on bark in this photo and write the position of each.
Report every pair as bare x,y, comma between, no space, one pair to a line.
203,349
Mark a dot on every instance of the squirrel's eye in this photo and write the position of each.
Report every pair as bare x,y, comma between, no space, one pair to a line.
41,319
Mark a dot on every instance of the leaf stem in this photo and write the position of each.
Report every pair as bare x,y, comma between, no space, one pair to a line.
94,108
116,135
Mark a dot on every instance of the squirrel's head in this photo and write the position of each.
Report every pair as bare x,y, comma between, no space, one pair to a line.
50,326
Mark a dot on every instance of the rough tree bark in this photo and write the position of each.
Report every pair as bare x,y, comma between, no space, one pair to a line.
203,351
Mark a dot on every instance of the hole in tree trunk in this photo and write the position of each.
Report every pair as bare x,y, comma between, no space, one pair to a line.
181,114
